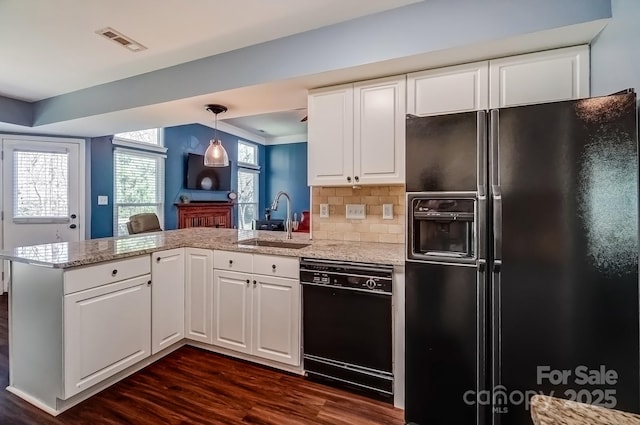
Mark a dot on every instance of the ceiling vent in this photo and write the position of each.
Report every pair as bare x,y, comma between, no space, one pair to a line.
124,41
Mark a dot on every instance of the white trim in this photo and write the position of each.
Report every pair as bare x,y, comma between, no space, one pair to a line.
285,140
138,145
238,132
139,152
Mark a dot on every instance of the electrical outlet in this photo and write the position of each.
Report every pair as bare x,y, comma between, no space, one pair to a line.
355,211
387,211
324,210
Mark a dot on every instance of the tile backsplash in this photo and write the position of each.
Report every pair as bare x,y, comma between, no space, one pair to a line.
373,228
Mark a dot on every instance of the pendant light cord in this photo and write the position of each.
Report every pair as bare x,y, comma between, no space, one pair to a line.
215,128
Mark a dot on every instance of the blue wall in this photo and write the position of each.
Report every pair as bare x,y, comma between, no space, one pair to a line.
101,184
286,169
615,54
282,167
194,138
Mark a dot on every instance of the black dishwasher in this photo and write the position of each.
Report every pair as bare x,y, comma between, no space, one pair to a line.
347,324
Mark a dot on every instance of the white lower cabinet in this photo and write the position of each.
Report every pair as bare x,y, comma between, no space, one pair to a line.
232,299
276,319
258,314
198,282
167,298
106,330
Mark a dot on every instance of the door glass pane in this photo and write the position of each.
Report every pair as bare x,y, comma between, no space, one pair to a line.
40,184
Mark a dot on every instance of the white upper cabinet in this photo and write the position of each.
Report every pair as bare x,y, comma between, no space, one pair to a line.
330,134
459,88
167,298
379,131
548,76
356,133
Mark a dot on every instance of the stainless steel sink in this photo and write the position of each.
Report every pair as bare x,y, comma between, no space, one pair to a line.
273,244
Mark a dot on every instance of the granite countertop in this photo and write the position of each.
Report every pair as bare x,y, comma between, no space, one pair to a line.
73,254
547,410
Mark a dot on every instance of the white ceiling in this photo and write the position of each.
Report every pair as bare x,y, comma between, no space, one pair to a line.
50,47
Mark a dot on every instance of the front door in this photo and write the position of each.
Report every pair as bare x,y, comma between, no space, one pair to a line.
43,188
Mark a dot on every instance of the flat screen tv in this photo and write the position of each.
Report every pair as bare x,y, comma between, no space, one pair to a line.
207,178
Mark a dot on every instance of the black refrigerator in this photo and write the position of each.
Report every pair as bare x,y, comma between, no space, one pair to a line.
522,260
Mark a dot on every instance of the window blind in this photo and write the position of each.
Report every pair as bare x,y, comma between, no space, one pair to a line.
137,187
40,185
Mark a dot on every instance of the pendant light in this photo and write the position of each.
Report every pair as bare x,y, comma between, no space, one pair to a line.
216,154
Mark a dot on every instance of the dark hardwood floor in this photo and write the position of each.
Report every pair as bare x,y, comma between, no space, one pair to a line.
192,386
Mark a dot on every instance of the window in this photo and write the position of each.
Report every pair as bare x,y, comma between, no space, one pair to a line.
138,186
40,189
148,140
150,136
248,184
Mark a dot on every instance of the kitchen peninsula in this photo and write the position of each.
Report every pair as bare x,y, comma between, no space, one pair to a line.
84,315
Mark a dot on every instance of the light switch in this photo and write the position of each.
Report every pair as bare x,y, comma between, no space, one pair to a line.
103,200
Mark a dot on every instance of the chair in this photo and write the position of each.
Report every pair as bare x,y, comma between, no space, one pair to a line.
143,223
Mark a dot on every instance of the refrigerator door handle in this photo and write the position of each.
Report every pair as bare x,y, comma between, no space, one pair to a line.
496,192
497,228
481,155
496,342
481,230
481,337
495,155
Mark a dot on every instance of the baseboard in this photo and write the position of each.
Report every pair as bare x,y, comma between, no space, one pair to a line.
34,401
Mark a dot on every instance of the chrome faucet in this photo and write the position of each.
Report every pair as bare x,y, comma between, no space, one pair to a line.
274,207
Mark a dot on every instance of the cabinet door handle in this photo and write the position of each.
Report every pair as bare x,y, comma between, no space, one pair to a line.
248,282
149,283
254,283
158,260
349,179
273,266
114,272
357,178
230,263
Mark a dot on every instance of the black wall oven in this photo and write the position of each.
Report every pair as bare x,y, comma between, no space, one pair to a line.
347,324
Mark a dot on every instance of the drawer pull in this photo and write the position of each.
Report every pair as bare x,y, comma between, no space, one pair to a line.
254,283
114,272
230,263
273,266
149,283
158,259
